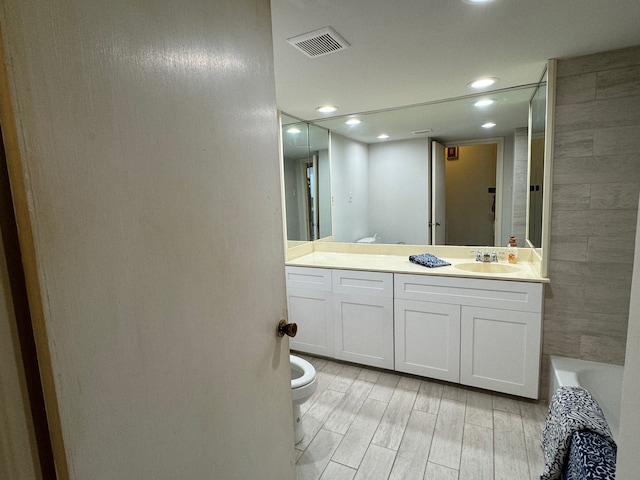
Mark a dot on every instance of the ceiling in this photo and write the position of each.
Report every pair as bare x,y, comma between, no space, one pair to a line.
410,52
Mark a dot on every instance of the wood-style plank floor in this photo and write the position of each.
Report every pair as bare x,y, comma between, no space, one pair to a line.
364,423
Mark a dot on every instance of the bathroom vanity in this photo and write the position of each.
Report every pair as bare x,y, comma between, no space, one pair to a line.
370,305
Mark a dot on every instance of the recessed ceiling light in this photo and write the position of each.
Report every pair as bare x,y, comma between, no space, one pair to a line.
483,82
294,130
353,121
327,109
485,102
488,125
383,136
477,2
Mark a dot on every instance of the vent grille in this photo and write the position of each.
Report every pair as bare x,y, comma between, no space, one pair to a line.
319,42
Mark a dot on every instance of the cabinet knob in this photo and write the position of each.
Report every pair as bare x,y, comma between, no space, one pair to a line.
285,328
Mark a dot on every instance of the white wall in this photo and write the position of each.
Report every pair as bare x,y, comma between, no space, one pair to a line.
399,191
628,459
350,189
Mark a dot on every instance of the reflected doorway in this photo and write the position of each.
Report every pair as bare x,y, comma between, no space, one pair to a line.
471,173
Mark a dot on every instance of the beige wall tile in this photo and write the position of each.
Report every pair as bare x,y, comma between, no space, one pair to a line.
601,114
572,196
602,349
617,141
599,61
615,195
601,169
569,248
576,89
612,248
619,82
573,144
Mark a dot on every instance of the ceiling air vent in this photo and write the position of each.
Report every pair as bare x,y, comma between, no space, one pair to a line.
319,42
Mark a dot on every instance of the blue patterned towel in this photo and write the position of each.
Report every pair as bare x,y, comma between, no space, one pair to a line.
591,457
572,409
428,260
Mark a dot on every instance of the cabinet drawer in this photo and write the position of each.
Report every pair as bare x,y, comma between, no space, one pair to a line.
363,283
521,296
309,278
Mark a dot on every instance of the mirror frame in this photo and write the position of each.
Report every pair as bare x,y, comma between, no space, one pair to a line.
542,251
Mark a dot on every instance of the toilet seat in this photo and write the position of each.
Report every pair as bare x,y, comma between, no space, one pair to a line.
305,368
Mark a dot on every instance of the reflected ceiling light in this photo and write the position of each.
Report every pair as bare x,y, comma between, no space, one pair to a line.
489,125
483,82
485,102
383,136
294,130
353,121
327,109
477,2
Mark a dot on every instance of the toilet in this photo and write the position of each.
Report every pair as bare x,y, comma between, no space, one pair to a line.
303,384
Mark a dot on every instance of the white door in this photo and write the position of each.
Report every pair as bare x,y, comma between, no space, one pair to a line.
150,142
438,200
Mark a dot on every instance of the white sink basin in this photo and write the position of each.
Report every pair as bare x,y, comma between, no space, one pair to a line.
480,267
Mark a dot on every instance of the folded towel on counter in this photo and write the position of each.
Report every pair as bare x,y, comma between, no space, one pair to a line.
428,260
571,410
591,457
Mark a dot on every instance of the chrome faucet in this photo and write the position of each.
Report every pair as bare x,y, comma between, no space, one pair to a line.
486,257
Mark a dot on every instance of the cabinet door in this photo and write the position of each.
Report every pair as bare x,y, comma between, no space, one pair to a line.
309,303
363,317
427,339
500,350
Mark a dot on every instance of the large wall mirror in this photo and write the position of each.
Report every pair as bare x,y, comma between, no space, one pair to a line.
343,180
307,183
537,120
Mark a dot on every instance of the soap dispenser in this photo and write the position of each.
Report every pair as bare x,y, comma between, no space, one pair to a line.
513,250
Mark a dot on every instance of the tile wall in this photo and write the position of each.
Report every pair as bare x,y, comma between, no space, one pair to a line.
596,182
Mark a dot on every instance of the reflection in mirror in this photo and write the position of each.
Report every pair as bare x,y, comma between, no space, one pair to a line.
307,185
536,163
381,188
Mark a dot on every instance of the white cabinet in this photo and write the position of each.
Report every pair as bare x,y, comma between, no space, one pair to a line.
498,326
309,299
363,317
343,314
500,350
427,339
477,332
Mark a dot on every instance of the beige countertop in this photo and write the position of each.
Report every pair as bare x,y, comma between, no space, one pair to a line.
395,259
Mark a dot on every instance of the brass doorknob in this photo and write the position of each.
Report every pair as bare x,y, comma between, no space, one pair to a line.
285,328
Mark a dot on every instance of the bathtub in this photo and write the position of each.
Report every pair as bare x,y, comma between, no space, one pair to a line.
602,380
